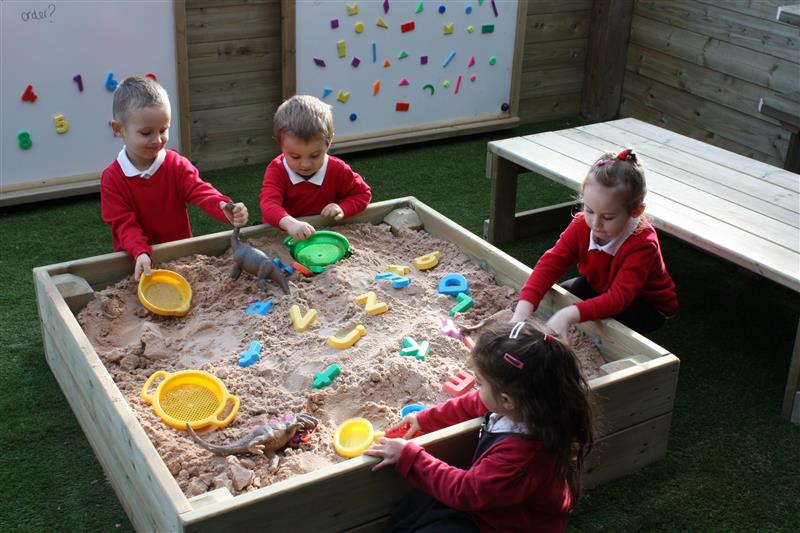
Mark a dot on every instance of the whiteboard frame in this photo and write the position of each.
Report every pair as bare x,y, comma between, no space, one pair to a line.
394,137
64,186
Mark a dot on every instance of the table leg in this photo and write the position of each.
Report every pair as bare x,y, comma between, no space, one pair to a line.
503,174
791,397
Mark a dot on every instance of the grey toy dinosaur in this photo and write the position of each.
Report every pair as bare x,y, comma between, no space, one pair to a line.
267,438
255,262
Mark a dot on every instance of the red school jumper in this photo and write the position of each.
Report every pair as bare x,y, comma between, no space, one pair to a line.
636,270
147,211
512,486
279,197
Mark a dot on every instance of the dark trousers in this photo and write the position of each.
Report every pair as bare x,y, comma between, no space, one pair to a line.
640,316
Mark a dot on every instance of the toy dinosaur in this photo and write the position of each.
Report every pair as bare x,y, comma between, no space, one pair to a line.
267,438
255,262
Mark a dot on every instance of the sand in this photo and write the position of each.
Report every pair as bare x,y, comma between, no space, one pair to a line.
375,381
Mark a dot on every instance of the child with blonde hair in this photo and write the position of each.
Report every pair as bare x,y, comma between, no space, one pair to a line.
144,192
622,271
526,471
304,180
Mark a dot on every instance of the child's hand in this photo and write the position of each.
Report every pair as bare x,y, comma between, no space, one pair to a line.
143,266
387,449
237,216
299,230
413,425
333,211
562,320
522,311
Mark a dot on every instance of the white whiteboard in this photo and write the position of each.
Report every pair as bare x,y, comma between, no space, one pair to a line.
478,100
46,44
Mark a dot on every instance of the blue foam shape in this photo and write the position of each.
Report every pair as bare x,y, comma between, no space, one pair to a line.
411,408
374,52
398,282
250,356
286,268
449,59
260,308
452,284
326,91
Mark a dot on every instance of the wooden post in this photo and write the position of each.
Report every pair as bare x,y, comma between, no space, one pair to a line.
605,59
503,174
790,396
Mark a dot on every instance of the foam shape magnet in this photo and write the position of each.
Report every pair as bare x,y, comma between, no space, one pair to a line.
452,284
470,28
302,269
334,23
376,87
24,140
385,6
325,378
471,62
77,78
480,2
442,9
448,28
151,76
374,52
494,8
403,82
448,59
359,27
301,322
468,10
427,261
318,61
423,60
326,91
411,408
259,308
371,304
62,126
381,23
464,303
458,84
492,60
429,86
111,83
410,346
29,95
402,55
341,343
286,268
473,77
400,270
459,384
487,28
446,84
398,282
386,63
251,355
355,62
353,117
449,329
352,9
420,8
341,48
407,26
343,96
401,106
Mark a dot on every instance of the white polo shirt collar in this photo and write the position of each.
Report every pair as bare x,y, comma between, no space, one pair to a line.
613,246
503,424
316,179
131,171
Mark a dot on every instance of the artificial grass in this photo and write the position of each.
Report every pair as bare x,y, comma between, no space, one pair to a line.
732,465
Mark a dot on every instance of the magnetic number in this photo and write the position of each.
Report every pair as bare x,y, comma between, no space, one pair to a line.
24,139
111,83
61,123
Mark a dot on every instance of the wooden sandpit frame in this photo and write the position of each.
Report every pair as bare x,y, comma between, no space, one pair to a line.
634,403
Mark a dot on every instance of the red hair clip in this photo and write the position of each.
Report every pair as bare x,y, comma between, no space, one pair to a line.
623,155
513,361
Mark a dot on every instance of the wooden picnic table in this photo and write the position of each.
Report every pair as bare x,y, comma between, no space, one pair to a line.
726,204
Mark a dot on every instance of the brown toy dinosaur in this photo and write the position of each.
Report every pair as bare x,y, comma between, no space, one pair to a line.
255,262
267,438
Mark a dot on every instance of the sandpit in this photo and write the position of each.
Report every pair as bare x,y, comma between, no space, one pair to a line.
375,381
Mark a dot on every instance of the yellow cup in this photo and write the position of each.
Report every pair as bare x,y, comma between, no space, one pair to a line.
353,436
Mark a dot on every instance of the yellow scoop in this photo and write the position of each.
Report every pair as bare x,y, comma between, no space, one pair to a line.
165,292
353,436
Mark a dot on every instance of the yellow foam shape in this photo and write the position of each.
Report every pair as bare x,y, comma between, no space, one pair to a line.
359,27
400,270
340,343
380,22
341,47
352,9
424,262
302,322
373,306
343,96
448,28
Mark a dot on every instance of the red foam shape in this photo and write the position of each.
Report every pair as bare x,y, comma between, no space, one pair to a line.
302,269
408,26
459,384
401,106
398,433
29,95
